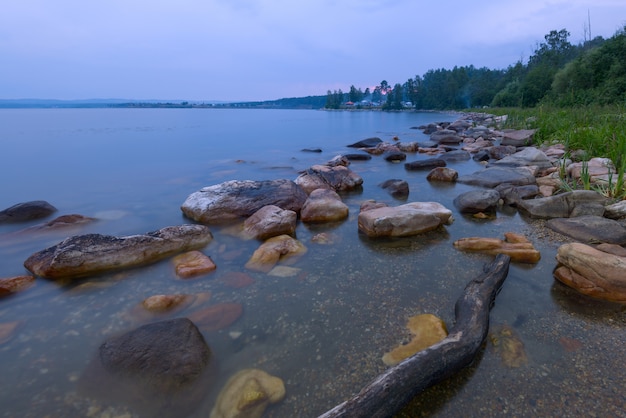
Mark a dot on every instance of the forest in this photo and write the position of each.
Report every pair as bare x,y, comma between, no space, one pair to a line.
557,73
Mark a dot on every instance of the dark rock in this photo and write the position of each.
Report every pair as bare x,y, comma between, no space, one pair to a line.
430,128
491,177
425,164
394,157
565,205
482,155
396,188
590,229
27,211
311,150
455,156
476,201
85,255
160,369
366,143
236,199
357,157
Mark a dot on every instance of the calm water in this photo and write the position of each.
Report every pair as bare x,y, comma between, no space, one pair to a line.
324,331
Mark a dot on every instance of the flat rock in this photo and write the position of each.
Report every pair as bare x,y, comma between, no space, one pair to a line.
357,157
85,255
516,246
565,205
10,285
518,138
237,199
216,317
27,211
590,229
270,221
404,220
592,272
493,176
427,329
475,201
426,164
529,156
455,156
366,143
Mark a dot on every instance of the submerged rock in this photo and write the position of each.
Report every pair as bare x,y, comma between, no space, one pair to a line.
273,250
590,229
192,264
509,346
514,245
26,211
85,255
427,330
565,205
424,164
15,284
396,188
216,317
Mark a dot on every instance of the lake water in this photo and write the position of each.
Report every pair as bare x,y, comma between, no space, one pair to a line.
323,331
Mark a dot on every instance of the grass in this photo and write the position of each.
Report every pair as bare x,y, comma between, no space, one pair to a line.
586,132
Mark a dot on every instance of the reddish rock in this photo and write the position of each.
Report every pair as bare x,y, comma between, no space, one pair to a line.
12,285
514,245
164,303
192,264
237,279
216,317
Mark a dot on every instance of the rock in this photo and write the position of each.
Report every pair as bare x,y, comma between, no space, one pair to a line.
476,146
499,152
8,329
216,317
527,157
192,264
85,255
476,201
62,223
366,143
247,394
408,147
396,188
426,164
592,272
237,279
442,174
514,245
512,194
518,138
598,169
11,285
612,249
455,156
565,205
236,199
311,150
160,369
357,157
284,271
27,211
509,346
338,178
324,205
273,250
590,229
616,210
394,157
427,330
493,176
405,220
460,125
446,136
270,221
166,303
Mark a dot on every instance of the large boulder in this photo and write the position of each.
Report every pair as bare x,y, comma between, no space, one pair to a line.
493,176
591,271
160,369
324,205
235,199
338,178
404,220
26,211
270,221
590,229
565,205
85,255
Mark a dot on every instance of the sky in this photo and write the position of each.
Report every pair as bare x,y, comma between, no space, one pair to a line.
249,50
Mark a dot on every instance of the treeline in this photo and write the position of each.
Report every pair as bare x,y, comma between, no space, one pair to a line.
557,73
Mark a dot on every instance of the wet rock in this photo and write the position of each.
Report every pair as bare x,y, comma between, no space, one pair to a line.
443,174
590,229
193,264
408,146
516,246
427,330
565,205
273,250
499,152
270,221
159,369
8,330
166,303
396,188
236,199
518,138
394,157
338,178
493,176
357,157
509,346
85,255
63,223
366,143
27,211
236,279
405,220
247,394
15,284
476,201
455,156
426,164
324,205
311,150
216,317
592,272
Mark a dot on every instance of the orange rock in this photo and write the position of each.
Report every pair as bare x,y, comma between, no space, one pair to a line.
515,246
216,317
237,279
15,284
7,330
427,330
193,263
272,250
163,303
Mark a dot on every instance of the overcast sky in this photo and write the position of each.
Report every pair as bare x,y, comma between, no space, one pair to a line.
267,49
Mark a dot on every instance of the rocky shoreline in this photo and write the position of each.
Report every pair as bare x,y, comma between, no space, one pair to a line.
526,178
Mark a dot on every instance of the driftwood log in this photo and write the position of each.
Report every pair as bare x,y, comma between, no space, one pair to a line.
391,391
